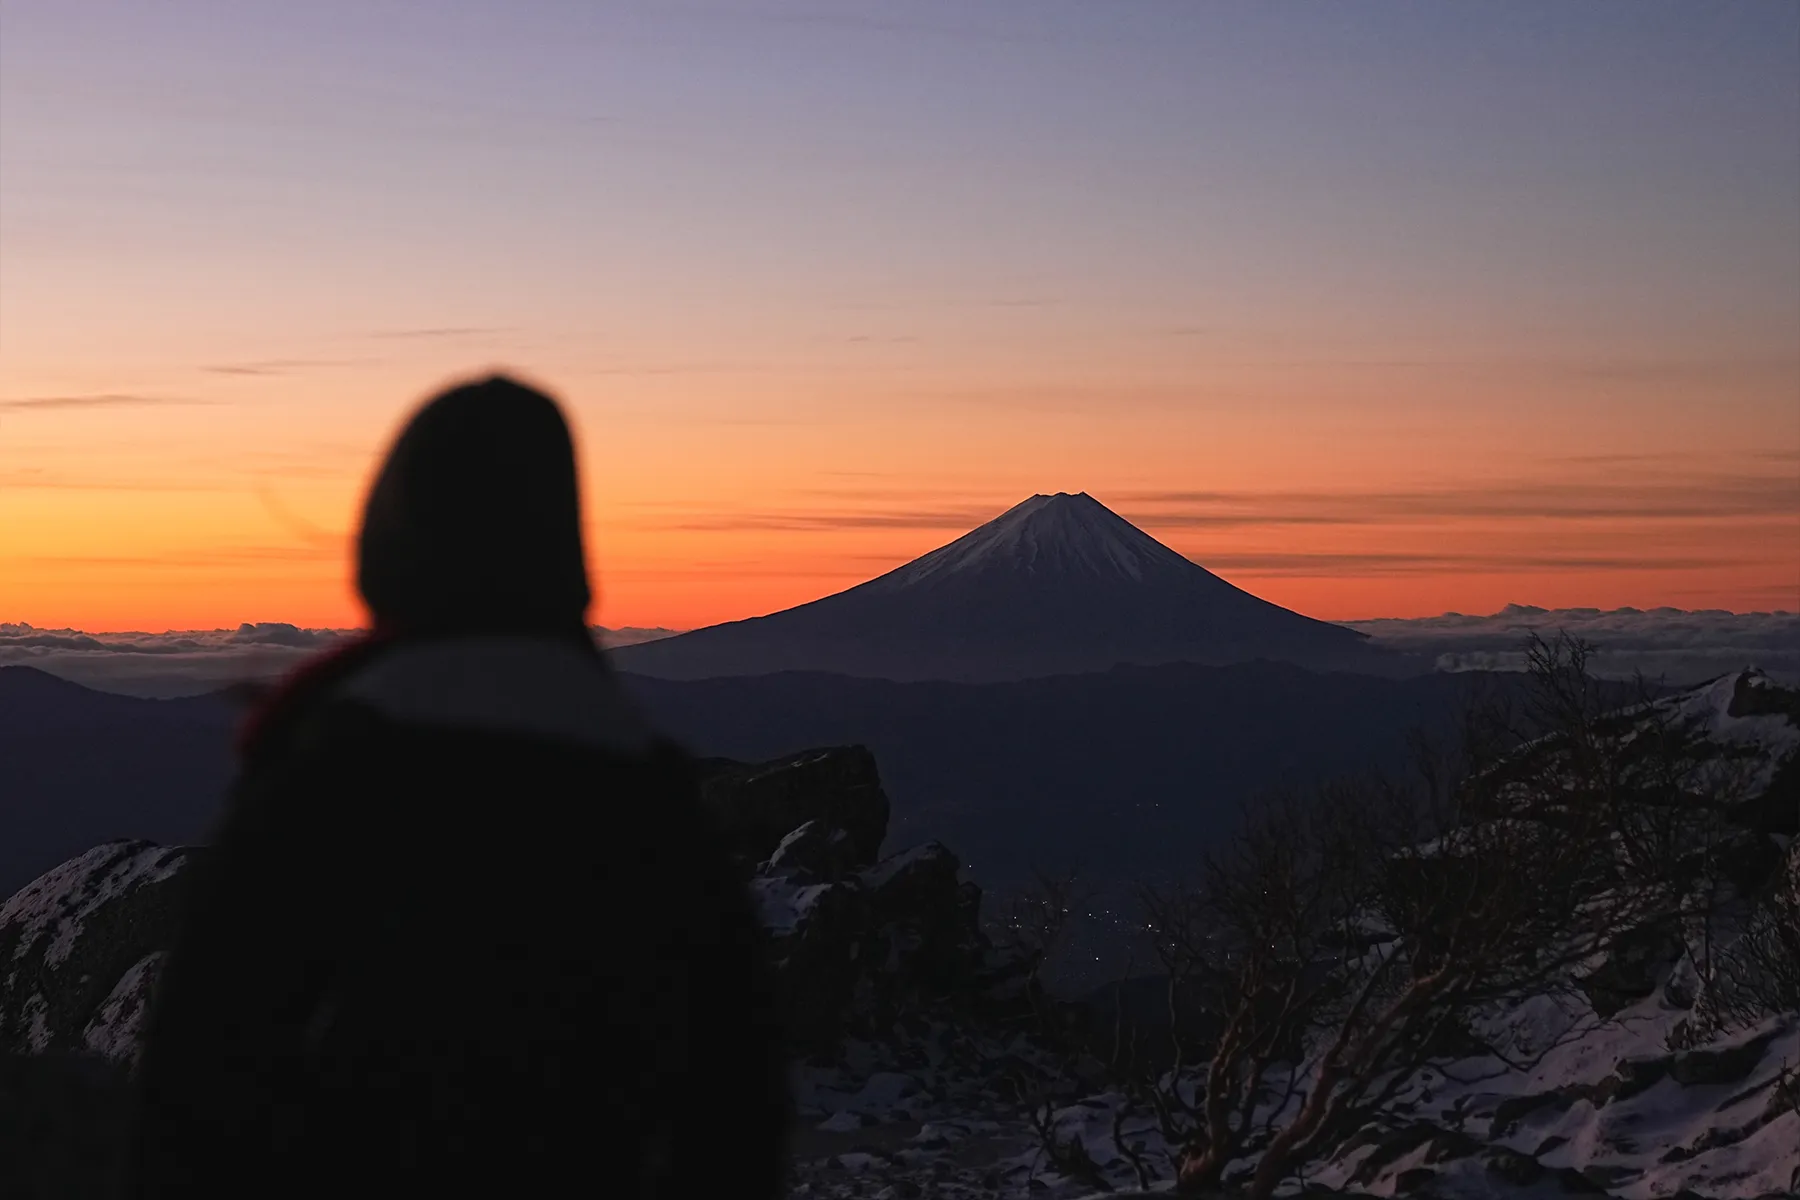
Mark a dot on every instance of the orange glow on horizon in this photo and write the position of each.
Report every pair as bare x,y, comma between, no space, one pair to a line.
171,518
1339,495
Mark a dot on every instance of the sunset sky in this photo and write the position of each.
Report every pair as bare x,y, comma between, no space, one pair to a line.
1375,309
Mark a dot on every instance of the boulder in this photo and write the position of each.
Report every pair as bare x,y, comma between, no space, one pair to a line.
814,850
79,948
757,805
816,945
920,883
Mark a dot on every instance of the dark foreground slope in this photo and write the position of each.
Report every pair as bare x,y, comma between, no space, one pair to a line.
1122,773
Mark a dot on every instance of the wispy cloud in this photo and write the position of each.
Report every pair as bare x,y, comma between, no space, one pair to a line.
38,479
678,368
426,333
1695,498
836,20
191,559
959,519
1747,498
98,400
1338,564
1657,458
284,366
1633,372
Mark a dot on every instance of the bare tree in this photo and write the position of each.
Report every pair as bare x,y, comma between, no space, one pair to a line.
1758,970
1676,801
1249,950
1034,921
1341,944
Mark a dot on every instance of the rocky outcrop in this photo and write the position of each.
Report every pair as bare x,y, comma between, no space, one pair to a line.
79,948
757,805
857,940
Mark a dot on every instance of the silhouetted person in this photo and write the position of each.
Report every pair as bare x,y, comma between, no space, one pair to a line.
463,925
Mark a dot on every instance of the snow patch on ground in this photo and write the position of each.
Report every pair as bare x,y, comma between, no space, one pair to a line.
785,905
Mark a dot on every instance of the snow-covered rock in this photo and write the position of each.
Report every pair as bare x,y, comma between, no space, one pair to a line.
855,953
78,949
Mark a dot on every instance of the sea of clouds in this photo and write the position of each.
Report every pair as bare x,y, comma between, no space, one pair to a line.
1671,644
189,662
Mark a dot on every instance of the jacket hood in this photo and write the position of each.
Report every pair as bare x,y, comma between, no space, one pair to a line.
473,524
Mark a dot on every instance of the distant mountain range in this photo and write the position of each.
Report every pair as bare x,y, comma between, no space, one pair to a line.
1676,646
79,767
1056,585
1123,771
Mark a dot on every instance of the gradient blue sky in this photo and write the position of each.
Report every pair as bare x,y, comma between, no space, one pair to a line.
1374,307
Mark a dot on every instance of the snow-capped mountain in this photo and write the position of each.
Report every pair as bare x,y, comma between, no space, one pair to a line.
1049,537
1056,585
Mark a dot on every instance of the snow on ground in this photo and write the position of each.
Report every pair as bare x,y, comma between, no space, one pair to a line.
1607,1108
785,905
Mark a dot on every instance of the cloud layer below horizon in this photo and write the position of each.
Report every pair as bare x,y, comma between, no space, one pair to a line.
189,662
1681,646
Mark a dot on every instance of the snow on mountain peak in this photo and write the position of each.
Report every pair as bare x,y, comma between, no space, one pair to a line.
1064,535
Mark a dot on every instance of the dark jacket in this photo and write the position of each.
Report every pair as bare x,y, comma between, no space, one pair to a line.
464,929
463,926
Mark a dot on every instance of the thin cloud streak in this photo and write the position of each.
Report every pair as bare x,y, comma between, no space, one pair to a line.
224,556
284,366
961,519
1714,498
439,331
36,481
1337,565
103,400
854,23
1730,498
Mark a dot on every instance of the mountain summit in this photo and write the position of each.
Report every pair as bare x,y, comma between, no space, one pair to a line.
1055,585
1060,536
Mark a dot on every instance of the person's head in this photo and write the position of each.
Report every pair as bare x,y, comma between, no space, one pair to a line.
474,521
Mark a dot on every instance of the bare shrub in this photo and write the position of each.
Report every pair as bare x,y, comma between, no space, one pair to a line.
1757,973
1341,943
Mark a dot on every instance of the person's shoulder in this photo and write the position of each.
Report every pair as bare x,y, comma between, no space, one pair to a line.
516,688
291,704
